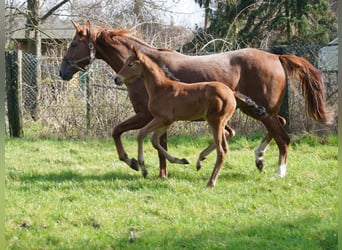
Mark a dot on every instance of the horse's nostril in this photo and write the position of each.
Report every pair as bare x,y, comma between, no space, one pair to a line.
117,80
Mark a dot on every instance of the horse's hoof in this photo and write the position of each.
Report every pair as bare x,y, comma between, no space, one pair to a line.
185,161
144,173
163,173
210,185
259,164
134,164
198,166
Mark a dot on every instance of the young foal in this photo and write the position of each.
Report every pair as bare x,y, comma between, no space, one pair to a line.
171,101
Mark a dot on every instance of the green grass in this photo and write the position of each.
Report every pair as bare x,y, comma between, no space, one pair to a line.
78,195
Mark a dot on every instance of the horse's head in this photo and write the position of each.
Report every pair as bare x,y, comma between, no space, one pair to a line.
81,52
132,69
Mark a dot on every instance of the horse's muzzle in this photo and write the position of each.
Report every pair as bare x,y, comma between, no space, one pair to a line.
118,80
65,74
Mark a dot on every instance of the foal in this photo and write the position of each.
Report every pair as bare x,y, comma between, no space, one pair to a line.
171,101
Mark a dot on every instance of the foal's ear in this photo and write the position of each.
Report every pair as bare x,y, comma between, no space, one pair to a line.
134,49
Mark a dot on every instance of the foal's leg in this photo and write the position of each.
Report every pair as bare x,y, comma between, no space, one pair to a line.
155,142
221,149
151,126
262,147
138,121
229,133
275,126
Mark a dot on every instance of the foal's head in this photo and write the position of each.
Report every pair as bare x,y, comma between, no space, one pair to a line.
132,69
135,66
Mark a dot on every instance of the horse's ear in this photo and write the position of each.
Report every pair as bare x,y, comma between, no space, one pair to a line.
88,23
76,25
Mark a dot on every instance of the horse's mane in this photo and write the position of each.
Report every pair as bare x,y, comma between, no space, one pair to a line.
168,72
128,33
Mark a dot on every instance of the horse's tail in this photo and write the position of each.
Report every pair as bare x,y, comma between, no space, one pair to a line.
312,86
254,109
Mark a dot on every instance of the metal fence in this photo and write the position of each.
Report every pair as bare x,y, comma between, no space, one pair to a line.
90,104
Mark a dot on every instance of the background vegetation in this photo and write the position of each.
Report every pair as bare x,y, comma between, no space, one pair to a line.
239,24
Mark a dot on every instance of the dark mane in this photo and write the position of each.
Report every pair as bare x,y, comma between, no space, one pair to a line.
168,73
165,49
128,34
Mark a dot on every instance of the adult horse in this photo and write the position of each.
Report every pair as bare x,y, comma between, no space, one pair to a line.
254,73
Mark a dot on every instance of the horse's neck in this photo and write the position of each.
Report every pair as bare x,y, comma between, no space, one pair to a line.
110,56
115,56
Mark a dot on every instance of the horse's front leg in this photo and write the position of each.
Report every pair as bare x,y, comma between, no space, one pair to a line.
162,159
137,121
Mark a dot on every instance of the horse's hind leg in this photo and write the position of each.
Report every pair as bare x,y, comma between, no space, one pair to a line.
262,147
281,137
155,142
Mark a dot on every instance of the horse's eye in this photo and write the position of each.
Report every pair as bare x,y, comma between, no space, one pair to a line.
73,45
131,64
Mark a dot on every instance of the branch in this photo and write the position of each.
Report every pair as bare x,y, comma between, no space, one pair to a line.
52,10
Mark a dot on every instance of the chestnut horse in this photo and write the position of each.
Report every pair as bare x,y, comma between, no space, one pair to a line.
254,73
170,100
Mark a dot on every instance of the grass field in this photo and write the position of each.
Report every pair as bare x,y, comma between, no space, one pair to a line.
78,195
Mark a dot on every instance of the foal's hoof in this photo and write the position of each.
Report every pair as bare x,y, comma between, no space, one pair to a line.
134,164
259,164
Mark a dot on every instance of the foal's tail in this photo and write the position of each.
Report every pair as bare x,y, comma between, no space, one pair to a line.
256,110
312,87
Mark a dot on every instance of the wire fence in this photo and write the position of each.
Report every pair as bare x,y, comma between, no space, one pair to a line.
91,104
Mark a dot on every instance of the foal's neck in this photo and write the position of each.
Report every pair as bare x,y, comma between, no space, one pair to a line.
154,78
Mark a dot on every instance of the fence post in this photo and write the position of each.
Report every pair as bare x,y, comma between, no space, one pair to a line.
13,87
88,103
84,83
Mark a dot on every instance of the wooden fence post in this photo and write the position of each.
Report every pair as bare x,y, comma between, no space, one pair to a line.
13,87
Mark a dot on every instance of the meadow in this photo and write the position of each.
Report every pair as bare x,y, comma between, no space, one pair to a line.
76,194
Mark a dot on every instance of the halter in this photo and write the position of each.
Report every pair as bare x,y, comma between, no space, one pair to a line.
91,56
